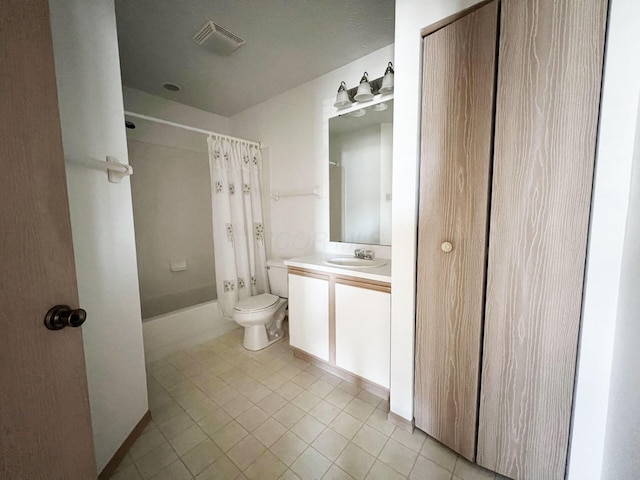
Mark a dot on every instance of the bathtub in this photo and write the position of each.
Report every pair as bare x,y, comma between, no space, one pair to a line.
170,332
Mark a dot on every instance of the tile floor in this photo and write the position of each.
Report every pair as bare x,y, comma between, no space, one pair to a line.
222,412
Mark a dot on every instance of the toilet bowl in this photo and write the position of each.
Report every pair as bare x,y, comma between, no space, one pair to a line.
262,315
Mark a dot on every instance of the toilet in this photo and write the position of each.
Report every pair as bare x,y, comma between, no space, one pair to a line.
262,315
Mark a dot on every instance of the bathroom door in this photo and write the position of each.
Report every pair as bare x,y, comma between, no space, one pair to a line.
45,426
455,164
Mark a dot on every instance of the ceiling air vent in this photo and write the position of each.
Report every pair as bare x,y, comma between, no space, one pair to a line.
217,39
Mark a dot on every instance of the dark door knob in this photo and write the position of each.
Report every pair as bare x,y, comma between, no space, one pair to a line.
62,315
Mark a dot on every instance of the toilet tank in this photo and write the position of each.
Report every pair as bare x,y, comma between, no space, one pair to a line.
278,280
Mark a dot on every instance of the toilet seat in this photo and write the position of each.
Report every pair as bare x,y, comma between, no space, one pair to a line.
256,303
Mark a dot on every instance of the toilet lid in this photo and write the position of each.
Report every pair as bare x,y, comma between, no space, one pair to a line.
257,302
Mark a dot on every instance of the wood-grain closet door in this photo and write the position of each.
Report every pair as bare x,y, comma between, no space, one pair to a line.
549,74
457,123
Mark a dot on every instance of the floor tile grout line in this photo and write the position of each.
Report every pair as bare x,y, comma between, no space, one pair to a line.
136,468
172,448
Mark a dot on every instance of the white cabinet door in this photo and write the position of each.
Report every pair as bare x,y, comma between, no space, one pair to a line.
363,332
309,315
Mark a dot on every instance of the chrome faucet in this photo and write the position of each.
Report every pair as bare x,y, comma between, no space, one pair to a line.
364,254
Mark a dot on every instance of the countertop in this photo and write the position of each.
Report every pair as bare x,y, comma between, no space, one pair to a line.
317,261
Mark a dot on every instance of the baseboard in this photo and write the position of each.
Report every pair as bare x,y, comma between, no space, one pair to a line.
401,422
110,468
363,383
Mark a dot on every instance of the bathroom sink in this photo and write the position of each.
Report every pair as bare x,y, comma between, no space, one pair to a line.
354,262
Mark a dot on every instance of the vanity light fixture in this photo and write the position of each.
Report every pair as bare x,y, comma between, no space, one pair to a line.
358,113
364,90
342,98
380,107
387,80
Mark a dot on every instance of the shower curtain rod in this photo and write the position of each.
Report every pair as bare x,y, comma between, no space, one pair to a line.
191,129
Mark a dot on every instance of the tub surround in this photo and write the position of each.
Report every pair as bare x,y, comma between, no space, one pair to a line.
171,227
339,319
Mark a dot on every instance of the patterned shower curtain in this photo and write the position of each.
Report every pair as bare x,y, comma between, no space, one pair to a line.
238,229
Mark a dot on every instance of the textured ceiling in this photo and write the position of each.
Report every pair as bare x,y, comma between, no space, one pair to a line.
288,42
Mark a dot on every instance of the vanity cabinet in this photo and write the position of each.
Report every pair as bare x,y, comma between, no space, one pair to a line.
309,314
363,340
342,323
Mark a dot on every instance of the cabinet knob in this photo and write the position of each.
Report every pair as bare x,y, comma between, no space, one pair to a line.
446,247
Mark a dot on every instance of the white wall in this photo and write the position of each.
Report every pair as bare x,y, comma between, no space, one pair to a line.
90,98
621,92
146,104
622,441
294,127
411,17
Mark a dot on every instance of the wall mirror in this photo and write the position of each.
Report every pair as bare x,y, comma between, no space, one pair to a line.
360,161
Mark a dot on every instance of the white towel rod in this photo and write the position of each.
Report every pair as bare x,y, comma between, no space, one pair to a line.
276,195
116,171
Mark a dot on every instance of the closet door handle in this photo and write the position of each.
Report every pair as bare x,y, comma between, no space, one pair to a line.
60,316
446,247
